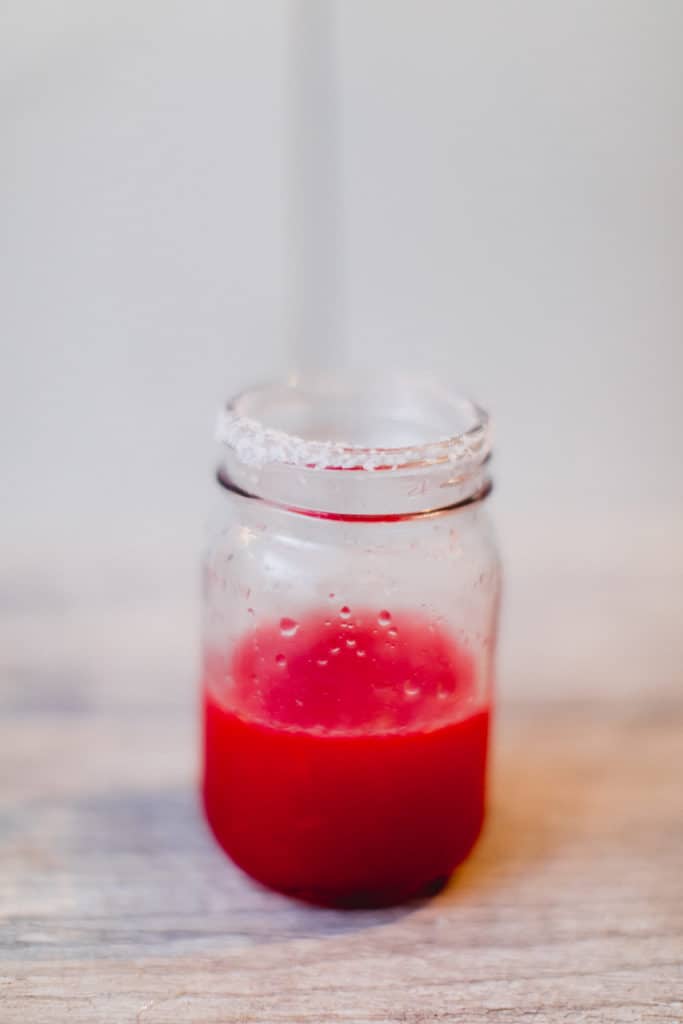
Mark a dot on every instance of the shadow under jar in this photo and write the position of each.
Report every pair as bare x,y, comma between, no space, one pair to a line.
351,590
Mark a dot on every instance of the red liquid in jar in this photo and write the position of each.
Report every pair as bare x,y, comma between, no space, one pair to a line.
345,756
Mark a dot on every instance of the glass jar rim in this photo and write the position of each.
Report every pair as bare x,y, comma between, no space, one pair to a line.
263,424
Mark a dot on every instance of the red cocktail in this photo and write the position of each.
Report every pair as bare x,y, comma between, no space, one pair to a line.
345,755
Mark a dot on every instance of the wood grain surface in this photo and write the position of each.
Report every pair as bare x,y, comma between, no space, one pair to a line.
116,906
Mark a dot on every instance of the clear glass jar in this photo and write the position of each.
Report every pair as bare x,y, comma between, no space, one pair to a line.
350,601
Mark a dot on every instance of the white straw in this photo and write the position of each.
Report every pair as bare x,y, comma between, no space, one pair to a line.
313,248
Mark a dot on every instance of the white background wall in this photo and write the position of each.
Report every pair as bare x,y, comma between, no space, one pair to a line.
511,214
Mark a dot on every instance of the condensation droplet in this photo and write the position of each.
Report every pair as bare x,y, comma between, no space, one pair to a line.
411,688
384,617
327,622
334,650
331,596
392,633
280,660
360,653
322,662
344,612
350,643
251,611
288,627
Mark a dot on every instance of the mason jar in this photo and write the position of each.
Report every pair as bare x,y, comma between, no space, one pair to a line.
351,588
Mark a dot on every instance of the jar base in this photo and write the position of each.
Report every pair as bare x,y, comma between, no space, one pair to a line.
368,895
366,899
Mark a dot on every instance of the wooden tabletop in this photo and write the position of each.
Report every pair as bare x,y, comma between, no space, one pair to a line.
116,906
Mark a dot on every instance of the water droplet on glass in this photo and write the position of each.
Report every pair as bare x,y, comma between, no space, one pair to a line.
280,660
392,633
250,610
331,596
344,612
350,643
288,627
360,653
322,662
384,617
444,689
411,688
334,650
327,622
